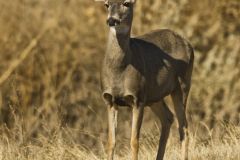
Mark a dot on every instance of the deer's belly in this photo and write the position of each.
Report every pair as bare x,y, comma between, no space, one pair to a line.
160,86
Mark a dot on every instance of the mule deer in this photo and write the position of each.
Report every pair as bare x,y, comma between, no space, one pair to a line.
141,71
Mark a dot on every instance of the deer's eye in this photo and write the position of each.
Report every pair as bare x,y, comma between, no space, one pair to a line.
106,5
127,4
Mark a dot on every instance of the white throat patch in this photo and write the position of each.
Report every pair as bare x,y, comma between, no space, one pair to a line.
119,29
113,30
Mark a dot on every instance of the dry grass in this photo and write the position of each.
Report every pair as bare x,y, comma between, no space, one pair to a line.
50,55
61,145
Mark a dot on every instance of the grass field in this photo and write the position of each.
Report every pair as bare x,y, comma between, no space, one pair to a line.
61,145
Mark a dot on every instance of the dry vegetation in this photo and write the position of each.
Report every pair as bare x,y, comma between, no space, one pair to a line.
50,54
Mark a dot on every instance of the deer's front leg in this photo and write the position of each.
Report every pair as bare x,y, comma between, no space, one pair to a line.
137,116
112,125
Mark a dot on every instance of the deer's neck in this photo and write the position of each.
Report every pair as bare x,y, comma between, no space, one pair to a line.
118,49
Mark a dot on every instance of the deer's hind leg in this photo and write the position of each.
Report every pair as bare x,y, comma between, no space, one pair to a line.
165,116
185,82
179,98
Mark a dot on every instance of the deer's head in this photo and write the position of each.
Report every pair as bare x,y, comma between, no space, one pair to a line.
120,14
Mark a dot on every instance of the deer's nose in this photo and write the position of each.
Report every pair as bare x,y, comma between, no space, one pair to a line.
113,22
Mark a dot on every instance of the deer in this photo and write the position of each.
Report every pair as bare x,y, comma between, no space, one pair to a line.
139,72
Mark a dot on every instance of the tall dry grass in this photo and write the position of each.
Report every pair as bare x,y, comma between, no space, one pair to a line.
61,144
50,54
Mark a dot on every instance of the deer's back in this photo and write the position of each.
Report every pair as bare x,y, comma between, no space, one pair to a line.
171,43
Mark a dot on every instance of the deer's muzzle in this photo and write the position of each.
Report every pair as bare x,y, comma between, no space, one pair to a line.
113,22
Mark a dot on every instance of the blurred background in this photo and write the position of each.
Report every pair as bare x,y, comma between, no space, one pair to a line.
51,53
